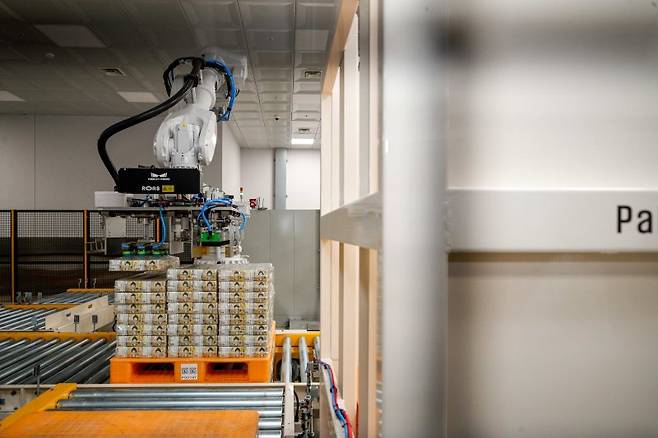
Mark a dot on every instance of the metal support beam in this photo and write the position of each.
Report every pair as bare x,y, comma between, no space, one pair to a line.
280,178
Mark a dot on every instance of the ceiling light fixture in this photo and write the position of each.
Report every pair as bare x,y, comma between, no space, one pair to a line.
312,74
6,96
304,141
138,96
112,71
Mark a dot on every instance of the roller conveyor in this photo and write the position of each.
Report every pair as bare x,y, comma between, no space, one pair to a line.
23,319
269,402
78,361
74,298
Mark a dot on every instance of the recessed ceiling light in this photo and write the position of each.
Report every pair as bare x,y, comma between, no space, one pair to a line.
312,74
112,71
303,130
138,96
65,35
6,96
305,141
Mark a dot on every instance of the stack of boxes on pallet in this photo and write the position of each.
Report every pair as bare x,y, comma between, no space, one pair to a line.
192,311
196,311
245,308
141,312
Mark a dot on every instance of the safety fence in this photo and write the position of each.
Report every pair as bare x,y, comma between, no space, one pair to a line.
48,251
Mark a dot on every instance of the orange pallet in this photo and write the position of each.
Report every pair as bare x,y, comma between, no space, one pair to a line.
193,369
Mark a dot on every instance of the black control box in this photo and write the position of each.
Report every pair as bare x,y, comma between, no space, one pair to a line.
159,181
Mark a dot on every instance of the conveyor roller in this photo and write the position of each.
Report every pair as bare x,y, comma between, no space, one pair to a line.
267,401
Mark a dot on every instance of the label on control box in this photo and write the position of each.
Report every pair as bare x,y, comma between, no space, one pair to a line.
189,371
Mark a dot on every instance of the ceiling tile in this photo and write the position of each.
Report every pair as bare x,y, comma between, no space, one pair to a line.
306,115
315,16
271,118
284,123
244,107
246,96
275,107
261,40
230,39
161,16
306,102
44,11
273,59
274,86
274,74
311,40
310,59
212,13
251,123
266,14
307,86
239,116
14,31
275,98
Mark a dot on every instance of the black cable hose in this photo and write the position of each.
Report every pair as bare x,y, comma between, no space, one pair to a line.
191,80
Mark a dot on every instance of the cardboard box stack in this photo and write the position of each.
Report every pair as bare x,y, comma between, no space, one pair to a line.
140,305
245,299
192,311
196,311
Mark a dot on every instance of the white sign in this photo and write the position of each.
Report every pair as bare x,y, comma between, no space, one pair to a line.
189,371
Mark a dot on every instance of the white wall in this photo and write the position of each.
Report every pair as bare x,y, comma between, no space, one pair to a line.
51,162
230,162
257,173
302,183
303,180
16,162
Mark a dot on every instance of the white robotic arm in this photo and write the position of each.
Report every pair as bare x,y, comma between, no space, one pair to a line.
187,137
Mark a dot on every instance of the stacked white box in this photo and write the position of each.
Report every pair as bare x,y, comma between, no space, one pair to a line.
245,300
140,306
192,311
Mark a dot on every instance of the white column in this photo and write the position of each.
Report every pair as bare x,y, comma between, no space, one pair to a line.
414,260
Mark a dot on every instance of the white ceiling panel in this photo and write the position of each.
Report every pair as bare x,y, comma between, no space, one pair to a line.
272,122
262,40
275,98
247,107
98,11
212,13
158,14
274,86
251,123
274,74
43,11
306,102
310,59
268,14
230,39
307,86
239,116
275,107
246,96
306,116
315,15
311,40
273,59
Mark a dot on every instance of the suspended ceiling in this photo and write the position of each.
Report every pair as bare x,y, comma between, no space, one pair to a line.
281,39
